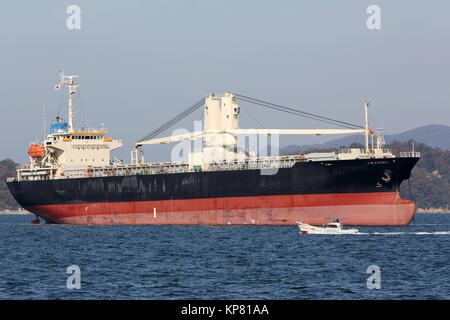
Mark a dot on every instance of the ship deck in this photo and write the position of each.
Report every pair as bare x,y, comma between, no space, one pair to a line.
27,173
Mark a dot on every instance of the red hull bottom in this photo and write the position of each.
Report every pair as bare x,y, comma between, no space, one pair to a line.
357,209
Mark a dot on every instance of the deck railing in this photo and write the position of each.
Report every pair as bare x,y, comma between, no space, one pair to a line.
175,167
409,154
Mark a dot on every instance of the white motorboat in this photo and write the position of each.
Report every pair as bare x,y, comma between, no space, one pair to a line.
334,227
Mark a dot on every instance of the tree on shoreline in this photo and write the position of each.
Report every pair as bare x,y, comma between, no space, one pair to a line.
7,169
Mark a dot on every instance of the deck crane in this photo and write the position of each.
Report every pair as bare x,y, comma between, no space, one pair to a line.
221,128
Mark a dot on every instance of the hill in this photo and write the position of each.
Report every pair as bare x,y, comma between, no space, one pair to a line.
434,135
430,178
7,169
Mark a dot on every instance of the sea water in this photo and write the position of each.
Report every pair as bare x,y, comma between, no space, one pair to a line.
223,262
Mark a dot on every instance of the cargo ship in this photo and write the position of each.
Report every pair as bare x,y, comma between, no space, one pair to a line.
71,178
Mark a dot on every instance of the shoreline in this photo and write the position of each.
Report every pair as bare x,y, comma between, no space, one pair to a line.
433,210
18,211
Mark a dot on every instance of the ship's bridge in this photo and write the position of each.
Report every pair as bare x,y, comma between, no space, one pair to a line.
82,147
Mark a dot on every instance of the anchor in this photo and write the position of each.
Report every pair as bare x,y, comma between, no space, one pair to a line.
36,221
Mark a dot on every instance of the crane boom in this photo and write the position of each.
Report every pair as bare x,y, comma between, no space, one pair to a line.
175,138
200,134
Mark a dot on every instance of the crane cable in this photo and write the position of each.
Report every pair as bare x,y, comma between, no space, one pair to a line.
296,112
174,120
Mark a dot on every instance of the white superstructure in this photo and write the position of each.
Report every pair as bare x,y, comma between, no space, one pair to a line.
66,148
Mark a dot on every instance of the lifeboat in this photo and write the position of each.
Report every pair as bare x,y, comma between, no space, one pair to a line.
36,151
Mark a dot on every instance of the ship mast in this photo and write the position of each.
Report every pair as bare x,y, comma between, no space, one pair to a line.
366,106
72,84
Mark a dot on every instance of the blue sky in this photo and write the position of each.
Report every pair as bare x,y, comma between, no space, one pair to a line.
141,62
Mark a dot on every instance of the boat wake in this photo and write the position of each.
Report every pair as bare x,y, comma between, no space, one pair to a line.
394,233
418,233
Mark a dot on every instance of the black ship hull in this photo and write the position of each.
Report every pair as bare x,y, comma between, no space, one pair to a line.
364,191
